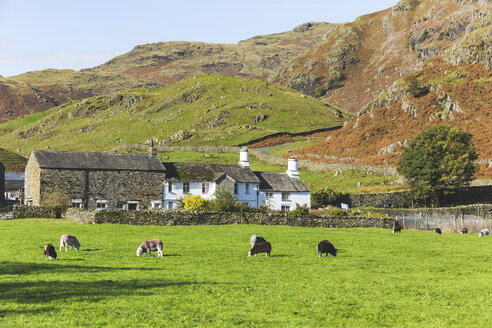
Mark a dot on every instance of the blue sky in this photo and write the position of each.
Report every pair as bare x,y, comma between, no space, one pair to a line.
39,34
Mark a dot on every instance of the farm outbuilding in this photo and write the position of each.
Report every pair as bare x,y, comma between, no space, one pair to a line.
93,180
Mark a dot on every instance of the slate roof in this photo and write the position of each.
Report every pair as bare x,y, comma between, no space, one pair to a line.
280,182
97,161
197,172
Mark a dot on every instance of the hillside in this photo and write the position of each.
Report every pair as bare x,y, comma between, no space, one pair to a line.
12,161
160,64
205,109
360,59
440,93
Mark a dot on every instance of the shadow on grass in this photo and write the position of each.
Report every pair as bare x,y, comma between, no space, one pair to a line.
55,266
91,250
38,292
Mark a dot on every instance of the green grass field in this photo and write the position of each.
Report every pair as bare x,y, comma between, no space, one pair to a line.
416,279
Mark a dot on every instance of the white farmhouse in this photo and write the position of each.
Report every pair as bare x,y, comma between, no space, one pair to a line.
279,191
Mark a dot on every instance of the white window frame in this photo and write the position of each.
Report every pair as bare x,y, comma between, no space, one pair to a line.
269,194
77,202
187,191
285,208
205,187
285,196
131,202
101,203
158,203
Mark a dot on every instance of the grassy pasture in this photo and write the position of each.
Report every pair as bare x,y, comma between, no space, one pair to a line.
416,279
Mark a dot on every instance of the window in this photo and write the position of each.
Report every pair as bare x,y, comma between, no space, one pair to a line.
269,194
186,187
170,187
285,196
170,205
101,203
205,187
119,206
235,189
132,205
246,188
285,208
156,204
77,203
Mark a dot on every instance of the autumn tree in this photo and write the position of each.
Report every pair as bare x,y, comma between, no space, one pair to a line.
438,161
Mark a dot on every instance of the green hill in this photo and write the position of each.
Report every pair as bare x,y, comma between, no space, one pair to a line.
205,109
12,161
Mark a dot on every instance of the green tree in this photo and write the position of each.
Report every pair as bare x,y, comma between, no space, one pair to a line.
439,160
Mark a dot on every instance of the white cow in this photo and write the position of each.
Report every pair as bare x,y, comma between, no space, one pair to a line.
483,232
150,245
69,240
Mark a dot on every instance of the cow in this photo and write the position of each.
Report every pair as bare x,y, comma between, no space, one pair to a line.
49,251
464,230
69,240
326,247
261,247
150,245
438,231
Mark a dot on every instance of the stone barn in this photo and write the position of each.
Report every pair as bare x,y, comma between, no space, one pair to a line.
2,182
94,180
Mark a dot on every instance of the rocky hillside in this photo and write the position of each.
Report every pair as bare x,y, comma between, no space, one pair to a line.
358,60
205,109
159,64
440,93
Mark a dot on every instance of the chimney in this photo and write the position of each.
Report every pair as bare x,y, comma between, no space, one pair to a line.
292,170
152,149
243,157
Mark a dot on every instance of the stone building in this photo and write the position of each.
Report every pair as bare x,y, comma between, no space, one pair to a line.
94,180
2,182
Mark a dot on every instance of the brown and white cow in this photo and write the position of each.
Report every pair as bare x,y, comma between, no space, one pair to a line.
69,240
150,245
49,251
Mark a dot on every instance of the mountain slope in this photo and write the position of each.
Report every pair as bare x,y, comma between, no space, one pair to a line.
360,59
12,161
206,109
440,93
164,63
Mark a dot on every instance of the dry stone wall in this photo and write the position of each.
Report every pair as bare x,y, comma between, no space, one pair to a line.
2,182
170,218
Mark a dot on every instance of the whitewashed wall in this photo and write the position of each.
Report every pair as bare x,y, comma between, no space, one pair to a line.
251,199
177,192
275,202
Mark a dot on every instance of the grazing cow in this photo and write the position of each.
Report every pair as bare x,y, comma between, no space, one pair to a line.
261,247
464,230
326,247
69,240
49,251
256,239
150,245
438,231
483,232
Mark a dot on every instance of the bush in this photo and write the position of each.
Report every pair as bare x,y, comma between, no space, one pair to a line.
300,210
193,202
416,90
326,196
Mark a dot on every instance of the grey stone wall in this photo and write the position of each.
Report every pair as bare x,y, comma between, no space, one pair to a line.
167,217
2,182
381,200
92,185
45,212
32,186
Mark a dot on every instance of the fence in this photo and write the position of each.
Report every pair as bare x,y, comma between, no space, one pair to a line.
448,219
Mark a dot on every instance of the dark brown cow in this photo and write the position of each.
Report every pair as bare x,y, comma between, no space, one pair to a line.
49,251
261,247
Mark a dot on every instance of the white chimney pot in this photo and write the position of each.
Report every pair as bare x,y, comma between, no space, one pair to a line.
243,157
292,170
